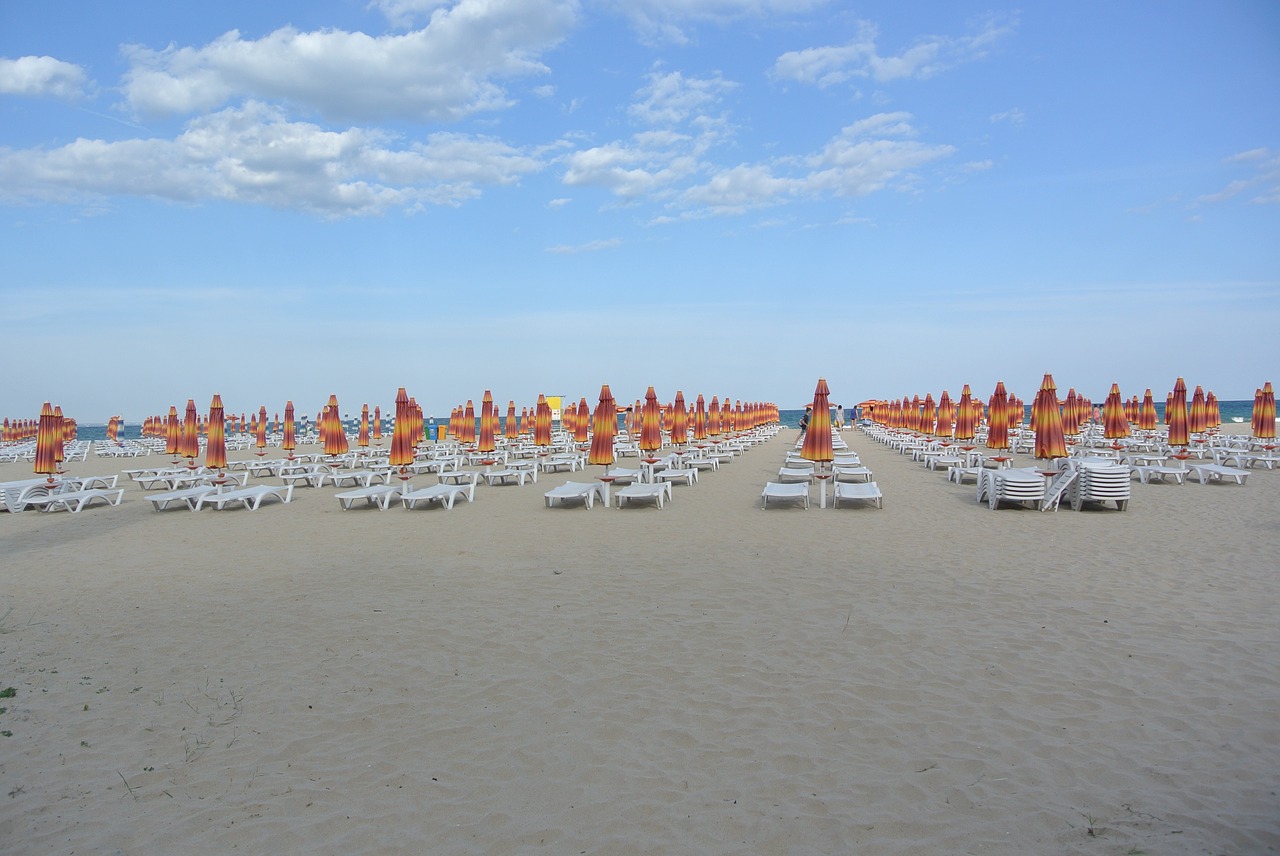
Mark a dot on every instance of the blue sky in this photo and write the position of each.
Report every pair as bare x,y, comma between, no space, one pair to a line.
727,197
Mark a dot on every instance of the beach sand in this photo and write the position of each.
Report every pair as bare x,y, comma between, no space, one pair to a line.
708,678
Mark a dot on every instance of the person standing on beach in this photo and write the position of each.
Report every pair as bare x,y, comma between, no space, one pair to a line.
839,417
804,420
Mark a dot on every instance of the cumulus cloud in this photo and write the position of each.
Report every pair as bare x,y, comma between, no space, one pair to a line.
589,247
449,69
670,98
1262,187
668,21
41,75
860,58
255,155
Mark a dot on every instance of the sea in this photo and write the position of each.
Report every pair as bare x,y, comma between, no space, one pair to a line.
1232,411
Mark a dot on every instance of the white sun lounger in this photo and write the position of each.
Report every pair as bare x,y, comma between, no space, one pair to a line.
75,500
794,474
789,490
380,495
493,477
688,476
445,494
866,491
252,497
585,491
1217,472
187,495
657,491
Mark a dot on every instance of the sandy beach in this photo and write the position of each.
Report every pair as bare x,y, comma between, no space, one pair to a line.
710,678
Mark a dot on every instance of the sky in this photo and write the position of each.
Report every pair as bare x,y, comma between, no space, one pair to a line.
289,200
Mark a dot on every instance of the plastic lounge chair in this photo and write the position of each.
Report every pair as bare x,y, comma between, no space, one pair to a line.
1151,471
358,478
1102,484
788,490
1014,486
575,490
657,491
187,495
795,474
379,495
622,475
75,500
1217,472
252,497
867,491
445,494
851,473
1057,489
688,476
493,477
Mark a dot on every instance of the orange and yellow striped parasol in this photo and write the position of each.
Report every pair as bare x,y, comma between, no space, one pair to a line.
487,442
1197,412
335,435
362,439
650,423
966,421
998,418
290,442
215,451
817,437
47,436
402,433
1264,413
946,414
542,422
1176,415
603,429
1115,425
582,422
190,433
679,421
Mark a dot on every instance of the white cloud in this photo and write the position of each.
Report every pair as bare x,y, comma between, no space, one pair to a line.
41,75
447,70
405,13
860,58
589,247
1013,117
671,98
255,155
1263,185
667,21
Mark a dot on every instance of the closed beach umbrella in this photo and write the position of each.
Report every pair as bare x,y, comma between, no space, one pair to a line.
262,427
998,418
946,412
1115,424
1176,415
289,443
215,452
172,433
679,421
582,422
190,433
713,418
1215,413
1264,413
512,426
1050,439
335,436
817,439
362,439
1198,412
700,418
487,419
650,423
47,435
402,432
604,427
467,427
966,421
1148,419
542,422
377,424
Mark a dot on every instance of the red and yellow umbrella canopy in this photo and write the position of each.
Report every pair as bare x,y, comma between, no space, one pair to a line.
700,418
926,415
1176,415
542,422
172,433
335,435
582,422
650,423
377,424
402,444
1198,412
817,438
603,428
1115,424
487,419
362,439
47,436
289,443
713,418
679,421
998,418
966,419
1264,413
1051,442
512,427
1148,419
467,425
190,446
946,413
215,452
262,428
